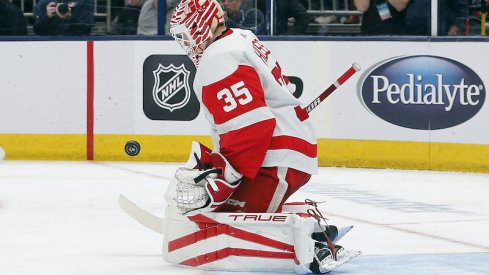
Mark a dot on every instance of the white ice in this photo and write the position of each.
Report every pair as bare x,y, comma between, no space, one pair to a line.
63,218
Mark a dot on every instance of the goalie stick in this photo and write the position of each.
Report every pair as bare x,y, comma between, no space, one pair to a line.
303,113
145,218
342,79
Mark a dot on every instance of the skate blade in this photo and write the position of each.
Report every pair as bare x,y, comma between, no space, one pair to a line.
345,257
342,232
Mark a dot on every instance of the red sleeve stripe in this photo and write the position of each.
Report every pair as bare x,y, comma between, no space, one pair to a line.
244,120
295,144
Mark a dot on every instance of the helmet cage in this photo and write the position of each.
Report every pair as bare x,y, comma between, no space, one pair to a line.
182,36
193,23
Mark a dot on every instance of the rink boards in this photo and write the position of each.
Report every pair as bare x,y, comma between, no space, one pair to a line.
414,105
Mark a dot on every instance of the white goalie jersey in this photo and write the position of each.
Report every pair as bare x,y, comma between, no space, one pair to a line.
254,117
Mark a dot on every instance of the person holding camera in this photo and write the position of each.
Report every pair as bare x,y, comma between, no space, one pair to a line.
64,17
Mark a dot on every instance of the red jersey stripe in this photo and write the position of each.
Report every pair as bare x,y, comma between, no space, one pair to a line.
295,144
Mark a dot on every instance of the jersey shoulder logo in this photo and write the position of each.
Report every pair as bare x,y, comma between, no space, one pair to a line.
171,89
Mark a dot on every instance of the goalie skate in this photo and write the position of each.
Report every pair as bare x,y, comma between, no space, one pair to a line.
341,233
333,233
324,261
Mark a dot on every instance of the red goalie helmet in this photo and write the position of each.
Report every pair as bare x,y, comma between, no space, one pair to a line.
193,23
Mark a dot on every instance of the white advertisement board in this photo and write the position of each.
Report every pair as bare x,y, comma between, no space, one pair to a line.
429,92
345,114
43,87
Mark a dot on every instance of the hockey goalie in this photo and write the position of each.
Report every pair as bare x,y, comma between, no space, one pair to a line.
227,207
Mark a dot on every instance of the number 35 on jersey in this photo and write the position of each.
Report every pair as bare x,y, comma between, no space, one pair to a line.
234,95
237,94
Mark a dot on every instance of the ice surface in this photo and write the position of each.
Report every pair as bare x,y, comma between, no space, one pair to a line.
63,218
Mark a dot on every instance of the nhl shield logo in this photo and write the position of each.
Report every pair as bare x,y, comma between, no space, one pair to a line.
171,90
167,88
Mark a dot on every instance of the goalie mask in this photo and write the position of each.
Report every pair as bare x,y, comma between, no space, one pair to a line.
193,23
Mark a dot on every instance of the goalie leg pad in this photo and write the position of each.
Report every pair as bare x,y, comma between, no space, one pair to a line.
277,242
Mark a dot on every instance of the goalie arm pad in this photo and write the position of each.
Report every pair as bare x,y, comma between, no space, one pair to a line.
194,191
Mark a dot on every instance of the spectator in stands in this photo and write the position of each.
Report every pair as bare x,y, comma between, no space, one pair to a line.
148,17
418,16
383,17
126,18
452,15
291,9
243,16
64,17
12,20
329,5
351,19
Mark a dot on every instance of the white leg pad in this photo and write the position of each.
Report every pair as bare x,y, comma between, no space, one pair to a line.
277,242
301,207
